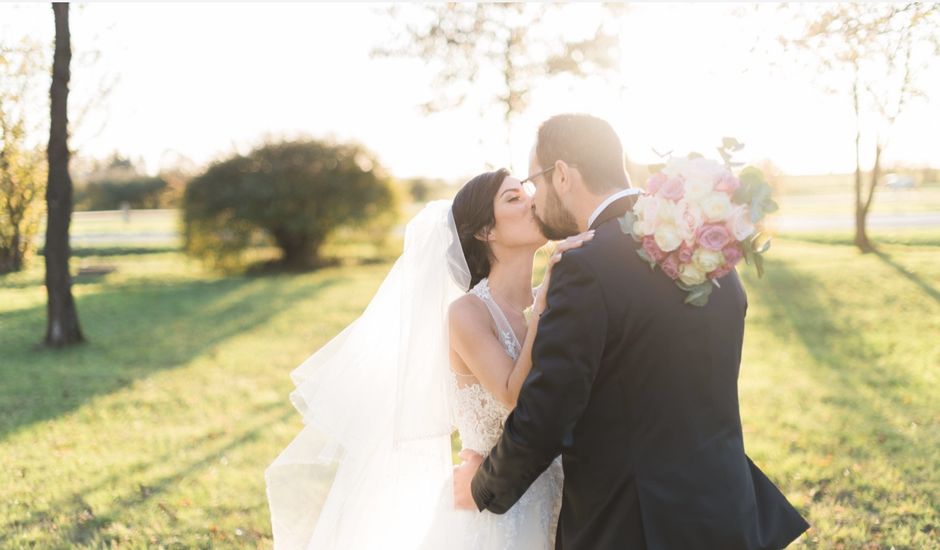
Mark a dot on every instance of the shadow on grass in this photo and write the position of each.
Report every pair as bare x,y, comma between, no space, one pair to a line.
86,251
132,332
88,523
869,396
912,277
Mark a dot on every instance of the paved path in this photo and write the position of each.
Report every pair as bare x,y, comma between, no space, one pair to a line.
883,221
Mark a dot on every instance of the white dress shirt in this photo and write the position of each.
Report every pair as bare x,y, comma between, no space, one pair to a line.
610,199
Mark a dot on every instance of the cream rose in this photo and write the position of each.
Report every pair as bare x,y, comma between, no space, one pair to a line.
667,238
707,260
691,275
717,207
642,228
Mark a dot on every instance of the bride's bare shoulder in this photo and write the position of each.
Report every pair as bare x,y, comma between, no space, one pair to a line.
467,312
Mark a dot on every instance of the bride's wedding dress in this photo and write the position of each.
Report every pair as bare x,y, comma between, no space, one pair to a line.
530,524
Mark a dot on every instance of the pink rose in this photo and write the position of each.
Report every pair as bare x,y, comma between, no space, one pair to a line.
655,182
673,189
685,253
728,183
652,249
732,254
713,236
670,266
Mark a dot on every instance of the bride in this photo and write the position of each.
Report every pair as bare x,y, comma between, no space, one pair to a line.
445,342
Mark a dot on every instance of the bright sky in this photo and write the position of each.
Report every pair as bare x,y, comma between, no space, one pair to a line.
208,79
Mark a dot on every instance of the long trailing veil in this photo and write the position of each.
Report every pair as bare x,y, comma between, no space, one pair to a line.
368,466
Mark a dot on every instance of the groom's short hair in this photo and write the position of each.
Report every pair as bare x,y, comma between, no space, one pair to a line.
588,142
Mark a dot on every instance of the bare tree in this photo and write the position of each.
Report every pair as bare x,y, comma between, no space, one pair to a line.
501,50
62,328
873,54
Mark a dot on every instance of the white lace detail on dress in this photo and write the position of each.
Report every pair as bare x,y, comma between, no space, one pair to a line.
532,521
480,416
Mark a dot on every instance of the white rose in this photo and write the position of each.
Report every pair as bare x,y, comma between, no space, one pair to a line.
676,166
707,260
667,238
697,186
740,223
716,207
691,275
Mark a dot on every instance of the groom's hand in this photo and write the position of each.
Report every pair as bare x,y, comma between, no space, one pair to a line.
463,475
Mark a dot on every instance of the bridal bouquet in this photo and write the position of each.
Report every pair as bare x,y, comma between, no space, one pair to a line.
697,220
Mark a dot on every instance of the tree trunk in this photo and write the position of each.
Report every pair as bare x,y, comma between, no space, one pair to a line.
861,239
861,213
300,252
62,328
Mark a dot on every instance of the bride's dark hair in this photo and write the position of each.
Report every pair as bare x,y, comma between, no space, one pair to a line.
473,216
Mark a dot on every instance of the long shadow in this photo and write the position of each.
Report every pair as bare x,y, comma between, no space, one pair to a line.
86,251
133,332
844,358
88,522
912,277
834,343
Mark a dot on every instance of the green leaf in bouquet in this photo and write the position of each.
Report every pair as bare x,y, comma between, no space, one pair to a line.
760,201
751,175
731,144
770,206
698,294
626,223
748,247
759,264
695,155
646,258
764,245
653,168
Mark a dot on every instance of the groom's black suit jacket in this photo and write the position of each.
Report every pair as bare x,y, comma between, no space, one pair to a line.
638,393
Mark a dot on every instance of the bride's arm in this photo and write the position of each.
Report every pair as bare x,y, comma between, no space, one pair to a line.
479,349
482,352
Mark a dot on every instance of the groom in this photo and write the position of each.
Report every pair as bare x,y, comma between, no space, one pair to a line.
636,390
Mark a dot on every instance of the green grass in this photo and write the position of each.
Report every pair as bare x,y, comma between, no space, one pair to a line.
157,431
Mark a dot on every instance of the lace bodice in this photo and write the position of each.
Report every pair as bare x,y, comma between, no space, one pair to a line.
480,416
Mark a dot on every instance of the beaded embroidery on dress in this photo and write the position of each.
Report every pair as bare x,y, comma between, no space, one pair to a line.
531,523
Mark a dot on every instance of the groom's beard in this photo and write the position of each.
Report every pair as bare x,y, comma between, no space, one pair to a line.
557,222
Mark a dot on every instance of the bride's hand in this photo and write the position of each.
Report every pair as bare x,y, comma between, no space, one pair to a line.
463,476
574,241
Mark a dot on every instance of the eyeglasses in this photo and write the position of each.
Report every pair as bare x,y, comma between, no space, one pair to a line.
528,184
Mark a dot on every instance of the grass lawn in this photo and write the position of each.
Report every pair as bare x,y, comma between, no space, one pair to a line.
157,431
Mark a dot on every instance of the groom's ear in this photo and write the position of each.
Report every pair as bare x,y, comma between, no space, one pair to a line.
563,173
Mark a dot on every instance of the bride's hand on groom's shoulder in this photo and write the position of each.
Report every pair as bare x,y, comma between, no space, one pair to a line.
561,247
463,476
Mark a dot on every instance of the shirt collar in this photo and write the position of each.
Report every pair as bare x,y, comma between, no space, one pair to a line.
619,194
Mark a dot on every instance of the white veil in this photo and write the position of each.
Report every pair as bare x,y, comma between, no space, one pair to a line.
369,464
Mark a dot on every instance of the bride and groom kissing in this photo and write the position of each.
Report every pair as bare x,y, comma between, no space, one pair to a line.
596,411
